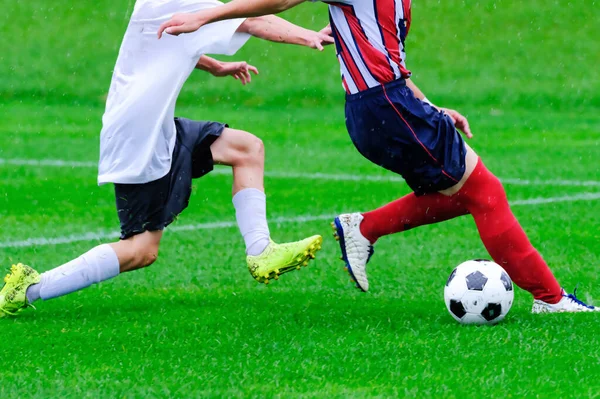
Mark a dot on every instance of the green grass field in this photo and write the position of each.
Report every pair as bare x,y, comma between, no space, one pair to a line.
195,324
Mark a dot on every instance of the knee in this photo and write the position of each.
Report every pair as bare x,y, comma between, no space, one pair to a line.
497,194
143,255
253,150
256,148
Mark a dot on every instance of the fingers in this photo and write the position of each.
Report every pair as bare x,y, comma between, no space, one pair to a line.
467,129
243,75
165,26
326,39
240,77
253,69
463,124
176,30
239,71
179,23
246,78
161,29
460,122
327,30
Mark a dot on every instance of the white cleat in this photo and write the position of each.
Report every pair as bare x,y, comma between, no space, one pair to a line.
356,249
568,304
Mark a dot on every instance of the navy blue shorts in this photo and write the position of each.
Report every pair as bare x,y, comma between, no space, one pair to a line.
392,128
154,205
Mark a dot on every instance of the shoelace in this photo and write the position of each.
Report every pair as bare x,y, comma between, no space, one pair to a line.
573,297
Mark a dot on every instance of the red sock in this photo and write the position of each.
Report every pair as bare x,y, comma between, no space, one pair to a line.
408,212
483,196
503,237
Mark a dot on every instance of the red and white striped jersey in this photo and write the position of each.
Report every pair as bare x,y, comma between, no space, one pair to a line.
369,37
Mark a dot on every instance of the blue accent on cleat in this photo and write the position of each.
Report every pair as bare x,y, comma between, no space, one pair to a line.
578,301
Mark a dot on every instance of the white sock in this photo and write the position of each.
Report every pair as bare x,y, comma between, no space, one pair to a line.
251,214
98,264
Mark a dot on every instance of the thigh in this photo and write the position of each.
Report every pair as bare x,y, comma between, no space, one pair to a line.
234,145
471,160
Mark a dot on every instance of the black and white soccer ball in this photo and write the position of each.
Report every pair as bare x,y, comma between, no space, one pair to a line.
479,292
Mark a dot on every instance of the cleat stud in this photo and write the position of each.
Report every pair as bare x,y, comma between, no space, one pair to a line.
305,263
266,281
342,258
276,277
336,238
298,267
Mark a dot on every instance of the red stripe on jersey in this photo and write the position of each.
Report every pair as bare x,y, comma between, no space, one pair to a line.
355,74
386,18
404,72
376,61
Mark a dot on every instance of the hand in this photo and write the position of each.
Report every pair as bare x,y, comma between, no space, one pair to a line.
181,23
459,120
327,30
319,39
239,70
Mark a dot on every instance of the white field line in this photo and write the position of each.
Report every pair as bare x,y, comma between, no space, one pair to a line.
105,235
301,175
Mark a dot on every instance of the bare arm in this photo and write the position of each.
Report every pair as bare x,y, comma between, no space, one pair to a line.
238,70
208,64
459,120
275,29
184,23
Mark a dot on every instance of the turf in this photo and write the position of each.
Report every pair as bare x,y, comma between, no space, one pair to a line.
196,325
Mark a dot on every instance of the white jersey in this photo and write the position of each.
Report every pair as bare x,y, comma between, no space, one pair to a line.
138,131
369,38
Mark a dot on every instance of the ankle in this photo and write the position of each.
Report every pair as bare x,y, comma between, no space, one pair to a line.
367,228
33,292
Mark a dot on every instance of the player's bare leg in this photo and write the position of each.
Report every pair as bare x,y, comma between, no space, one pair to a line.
23,285
266,260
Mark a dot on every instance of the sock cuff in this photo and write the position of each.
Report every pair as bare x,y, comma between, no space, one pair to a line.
247,194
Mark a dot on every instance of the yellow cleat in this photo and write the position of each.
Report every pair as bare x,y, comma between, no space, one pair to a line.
13,296
278,259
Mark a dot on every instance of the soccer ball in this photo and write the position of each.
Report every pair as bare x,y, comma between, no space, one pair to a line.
479,292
